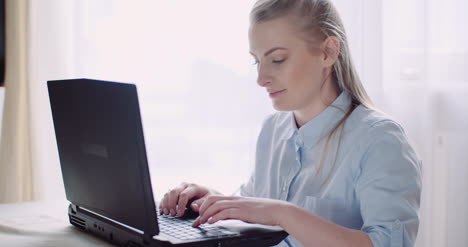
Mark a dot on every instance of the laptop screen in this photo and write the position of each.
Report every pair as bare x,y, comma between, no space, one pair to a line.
101,148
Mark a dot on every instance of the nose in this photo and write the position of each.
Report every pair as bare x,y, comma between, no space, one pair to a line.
263,79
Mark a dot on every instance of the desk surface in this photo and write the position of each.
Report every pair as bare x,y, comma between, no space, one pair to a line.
41,224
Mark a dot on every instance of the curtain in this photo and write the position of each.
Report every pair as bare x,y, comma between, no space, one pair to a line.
425,83
40,47
15,145
412,56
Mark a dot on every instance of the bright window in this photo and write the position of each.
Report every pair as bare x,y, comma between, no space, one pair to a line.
201,106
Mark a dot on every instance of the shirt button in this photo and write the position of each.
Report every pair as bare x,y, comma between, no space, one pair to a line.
284,188
396,226
299,141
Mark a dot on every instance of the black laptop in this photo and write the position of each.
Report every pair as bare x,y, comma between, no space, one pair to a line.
105,172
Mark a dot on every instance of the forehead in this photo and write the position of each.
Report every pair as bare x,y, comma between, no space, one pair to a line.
277,32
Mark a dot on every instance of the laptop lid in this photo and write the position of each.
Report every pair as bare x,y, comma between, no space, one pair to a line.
99,135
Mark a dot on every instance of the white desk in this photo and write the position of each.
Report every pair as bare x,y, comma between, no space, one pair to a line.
41,224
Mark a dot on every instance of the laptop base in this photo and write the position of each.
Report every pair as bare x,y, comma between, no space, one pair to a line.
122,235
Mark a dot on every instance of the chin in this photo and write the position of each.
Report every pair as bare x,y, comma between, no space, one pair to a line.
281,107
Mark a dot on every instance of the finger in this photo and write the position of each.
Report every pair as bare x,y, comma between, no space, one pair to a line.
172,200
160,204
212,199
209,201
217,207
230,213
173,197
196,204
163,204
185,196
196,222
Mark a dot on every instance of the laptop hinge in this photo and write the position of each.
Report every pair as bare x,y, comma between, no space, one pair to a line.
147,238
74,208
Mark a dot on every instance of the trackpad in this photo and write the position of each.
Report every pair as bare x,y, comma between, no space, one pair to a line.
246,228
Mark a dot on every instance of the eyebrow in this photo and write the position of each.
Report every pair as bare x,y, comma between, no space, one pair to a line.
271,51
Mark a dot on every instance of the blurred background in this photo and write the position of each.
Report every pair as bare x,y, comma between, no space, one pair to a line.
201,106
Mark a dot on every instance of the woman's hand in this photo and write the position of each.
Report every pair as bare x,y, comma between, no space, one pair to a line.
248,209
175,200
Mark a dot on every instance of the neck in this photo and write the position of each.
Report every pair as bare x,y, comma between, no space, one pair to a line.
326,96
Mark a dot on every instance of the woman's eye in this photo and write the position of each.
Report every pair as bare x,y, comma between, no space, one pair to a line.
255,63
278,61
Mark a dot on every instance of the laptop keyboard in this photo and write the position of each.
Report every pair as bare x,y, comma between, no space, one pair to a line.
182,229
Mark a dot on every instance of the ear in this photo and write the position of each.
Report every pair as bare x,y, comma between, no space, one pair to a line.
331,50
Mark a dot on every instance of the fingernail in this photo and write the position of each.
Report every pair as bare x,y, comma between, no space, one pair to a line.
179,212
195,206
172,212
165,211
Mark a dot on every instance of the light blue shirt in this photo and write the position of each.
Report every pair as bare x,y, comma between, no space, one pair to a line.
374,186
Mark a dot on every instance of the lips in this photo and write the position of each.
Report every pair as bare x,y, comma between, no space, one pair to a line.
274,94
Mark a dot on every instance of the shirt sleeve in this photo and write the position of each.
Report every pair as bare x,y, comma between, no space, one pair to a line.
388,188
247,189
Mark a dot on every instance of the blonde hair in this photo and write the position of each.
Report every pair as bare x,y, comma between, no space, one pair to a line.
320,18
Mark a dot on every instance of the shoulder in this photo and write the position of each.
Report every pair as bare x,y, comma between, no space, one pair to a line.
382,141
371,125
378,139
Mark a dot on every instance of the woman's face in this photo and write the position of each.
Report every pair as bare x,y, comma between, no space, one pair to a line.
288,68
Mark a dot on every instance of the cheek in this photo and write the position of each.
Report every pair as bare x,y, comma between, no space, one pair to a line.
305,76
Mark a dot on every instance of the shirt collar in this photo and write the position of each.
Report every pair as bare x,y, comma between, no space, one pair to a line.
311,132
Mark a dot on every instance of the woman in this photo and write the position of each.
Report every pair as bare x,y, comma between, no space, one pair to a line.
330,169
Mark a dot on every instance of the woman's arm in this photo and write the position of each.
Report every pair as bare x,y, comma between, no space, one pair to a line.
307,228
312,230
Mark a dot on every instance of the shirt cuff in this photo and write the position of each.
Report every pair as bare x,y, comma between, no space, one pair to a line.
391,236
